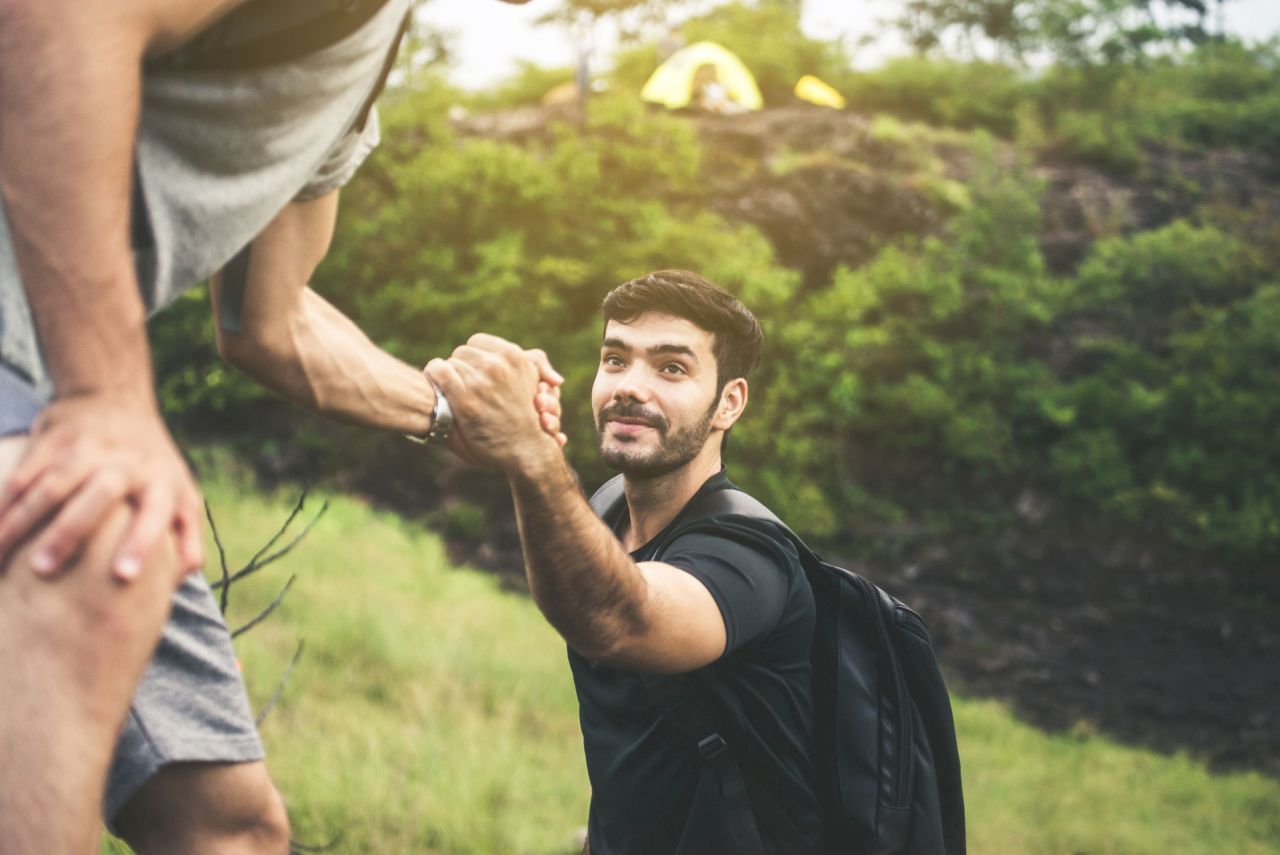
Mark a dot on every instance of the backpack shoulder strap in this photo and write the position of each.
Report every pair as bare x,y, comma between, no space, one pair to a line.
732,501
606,499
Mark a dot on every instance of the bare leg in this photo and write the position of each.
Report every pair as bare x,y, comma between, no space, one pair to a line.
206,809
74,649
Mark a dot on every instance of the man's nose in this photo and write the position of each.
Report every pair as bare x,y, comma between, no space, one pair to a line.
632,386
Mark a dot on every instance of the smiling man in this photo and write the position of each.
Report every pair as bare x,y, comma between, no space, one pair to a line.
660,605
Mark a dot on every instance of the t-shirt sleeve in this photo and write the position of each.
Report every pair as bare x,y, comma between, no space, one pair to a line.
749,576
342,161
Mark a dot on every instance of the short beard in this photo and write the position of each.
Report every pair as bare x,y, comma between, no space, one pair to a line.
675,448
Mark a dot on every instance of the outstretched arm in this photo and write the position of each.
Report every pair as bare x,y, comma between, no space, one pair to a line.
645,617
70,75
293,341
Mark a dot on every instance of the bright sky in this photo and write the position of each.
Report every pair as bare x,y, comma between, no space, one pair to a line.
489,37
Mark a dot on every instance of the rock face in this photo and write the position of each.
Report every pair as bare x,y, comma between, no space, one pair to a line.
857,190
819,217
818,183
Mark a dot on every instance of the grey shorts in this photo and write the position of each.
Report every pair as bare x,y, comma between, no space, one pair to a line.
191,705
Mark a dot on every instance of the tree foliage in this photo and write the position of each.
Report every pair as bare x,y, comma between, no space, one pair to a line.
1080,32
926,389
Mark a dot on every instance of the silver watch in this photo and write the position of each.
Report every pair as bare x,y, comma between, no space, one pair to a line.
441,420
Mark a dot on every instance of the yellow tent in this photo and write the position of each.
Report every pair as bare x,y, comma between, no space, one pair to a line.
814,91
672,84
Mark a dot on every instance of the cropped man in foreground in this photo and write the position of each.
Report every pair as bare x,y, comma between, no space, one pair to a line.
725,607
138,158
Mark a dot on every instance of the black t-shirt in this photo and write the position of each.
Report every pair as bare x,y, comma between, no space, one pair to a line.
643,770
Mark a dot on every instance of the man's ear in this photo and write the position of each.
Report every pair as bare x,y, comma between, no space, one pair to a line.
733,400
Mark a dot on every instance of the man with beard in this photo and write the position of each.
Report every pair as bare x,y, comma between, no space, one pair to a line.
723,613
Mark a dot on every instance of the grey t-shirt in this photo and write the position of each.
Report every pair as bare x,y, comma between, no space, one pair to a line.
219,154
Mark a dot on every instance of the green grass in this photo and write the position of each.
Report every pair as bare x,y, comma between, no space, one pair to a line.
433,712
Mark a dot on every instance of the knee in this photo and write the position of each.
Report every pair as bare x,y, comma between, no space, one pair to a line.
267,829
260,829
83,635
84,618
233,810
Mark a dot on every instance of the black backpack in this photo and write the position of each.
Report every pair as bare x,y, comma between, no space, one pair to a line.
885,756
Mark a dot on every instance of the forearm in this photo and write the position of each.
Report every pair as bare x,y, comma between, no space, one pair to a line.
317,357
69,91
583,581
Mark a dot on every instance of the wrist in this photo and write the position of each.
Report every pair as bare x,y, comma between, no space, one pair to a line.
540,463
132,396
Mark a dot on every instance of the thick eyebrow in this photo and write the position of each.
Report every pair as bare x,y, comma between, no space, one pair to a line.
678,349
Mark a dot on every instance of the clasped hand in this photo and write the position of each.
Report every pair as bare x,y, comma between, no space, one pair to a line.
505,401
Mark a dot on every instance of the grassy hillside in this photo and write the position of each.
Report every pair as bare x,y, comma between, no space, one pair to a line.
433,712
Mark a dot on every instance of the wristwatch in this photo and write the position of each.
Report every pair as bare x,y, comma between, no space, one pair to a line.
441,420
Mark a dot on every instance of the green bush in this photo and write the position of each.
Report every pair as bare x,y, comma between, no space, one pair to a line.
911,372
1178,342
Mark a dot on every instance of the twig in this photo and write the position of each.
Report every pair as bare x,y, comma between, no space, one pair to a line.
266,613
284,678
257,563
293,514
222,560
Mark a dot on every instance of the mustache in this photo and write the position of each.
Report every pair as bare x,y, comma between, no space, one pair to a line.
631,410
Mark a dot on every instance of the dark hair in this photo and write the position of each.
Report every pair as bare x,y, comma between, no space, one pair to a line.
737,339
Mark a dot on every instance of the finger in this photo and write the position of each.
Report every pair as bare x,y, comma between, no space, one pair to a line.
444,373
562,439
465,354
188,526
40,500
550,424
153,519
77,521
545,402
38,457
485,341
542,362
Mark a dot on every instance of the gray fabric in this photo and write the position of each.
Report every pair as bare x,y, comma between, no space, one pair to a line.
19,404
191,705
218,155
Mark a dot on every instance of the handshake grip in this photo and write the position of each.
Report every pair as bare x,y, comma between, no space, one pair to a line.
483,408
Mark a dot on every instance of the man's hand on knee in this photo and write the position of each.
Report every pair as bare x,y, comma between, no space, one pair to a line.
87,455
